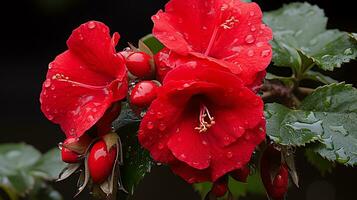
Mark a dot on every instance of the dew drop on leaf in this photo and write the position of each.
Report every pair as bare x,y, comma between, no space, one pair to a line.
341,156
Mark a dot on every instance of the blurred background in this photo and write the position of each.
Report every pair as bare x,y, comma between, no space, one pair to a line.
33,32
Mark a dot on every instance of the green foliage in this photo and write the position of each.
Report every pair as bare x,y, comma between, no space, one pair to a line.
323,165
238,189
150,44
327,116
137,161
302,41
23,169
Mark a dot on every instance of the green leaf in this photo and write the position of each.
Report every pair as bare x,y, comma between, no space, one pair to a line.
323,165
43,191
15,157
21,182
317,76
50,165
291,127
150,44
328,116
137,161
301,39
202,188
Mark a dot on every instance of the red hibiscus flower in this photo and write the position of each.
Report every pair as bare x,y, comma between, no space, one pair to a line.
204,122
227,32
83,82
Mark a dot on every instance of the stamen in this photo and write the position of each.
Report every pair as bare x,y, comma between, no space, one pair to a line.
61,77
205,114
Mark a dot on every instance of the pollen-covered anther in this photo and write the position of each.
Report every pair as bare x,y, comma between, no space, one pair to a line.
229,23
205,114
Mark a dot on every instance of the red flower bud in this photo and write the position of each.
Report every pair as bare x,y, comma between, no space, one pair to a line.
138,64
276,184
241,174
69,156
143,94
220,187
101,161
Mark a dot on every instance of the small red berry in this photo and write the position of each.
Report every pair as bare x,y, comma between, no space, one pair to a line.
220,187
138,64
241,174
69,156
143,94
100,161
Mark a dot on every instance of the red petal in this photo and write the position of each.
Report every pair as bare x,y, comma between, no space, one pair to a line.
91,42
190,174
229,33
237,155
79,87
188,146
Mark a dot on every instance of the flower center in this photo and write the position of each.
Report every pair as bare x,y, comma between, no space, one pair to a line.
206,119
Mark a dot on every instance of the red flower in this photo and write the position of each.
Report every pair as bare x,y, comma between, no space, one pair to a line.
83,82
204,122
227,32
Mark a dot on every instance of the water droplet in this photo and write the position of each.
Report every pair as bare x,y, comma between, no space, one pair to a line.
339,129
251,13
265,53
91,25
253,28
204,27
50,117
150,125
161,146
204,142
53,87
313,41
229,154
250,52
328,143
90,118
341,156
260,44
183,156
301,126
159,115
172,38
47,83
348,52
249,39
162,127
186,85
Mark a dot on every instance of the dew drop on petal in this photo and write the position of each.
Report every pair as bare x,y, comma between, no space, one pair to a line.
91,25
204,142
250,52
249,39
90,118
47,83
183,156
159,115
161,146
229,154
50,117
251,13
162,127
265,53
252,28
53,87
150,125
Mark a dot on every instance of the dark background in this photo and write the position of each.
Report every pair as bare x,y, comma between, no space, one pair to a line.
33,32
